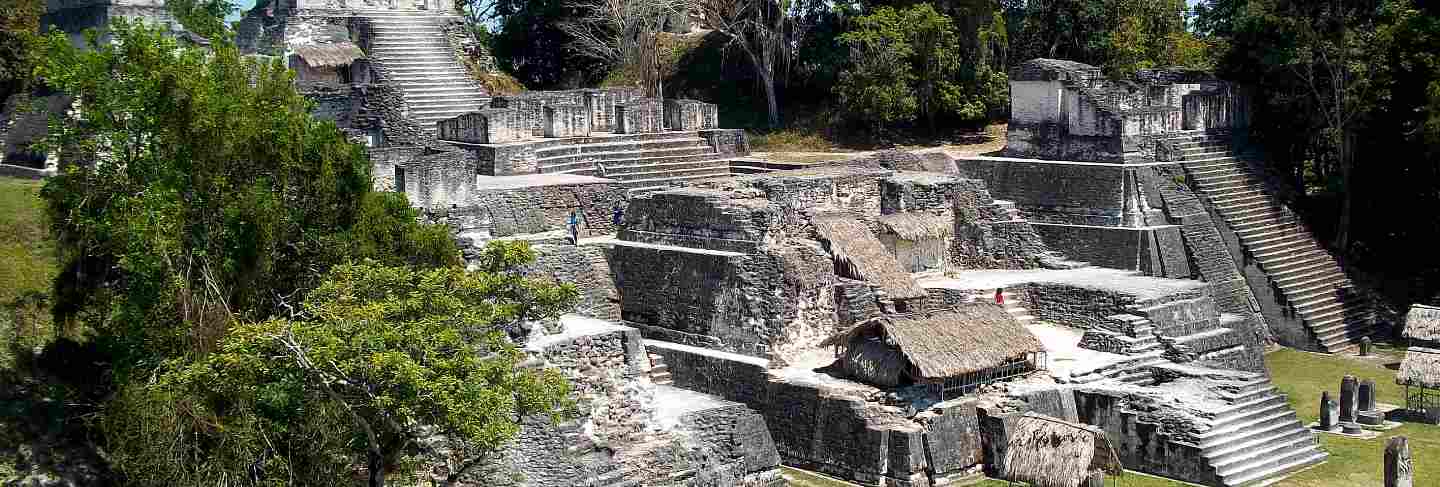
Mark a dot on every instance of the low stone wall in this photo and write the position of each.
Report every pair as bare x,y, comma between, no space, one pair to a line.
387,166
1141,445
643,116
834,433
567,120
440,179
691,115
728,142
490,126
545,208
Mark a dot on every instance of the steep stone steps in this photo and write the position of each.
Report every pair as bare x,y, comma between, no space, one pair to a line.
411,51
1258,438
659,372
1310,280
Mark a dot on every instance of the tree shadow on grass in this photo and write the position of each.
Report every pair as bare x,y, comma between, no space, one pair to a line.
44,417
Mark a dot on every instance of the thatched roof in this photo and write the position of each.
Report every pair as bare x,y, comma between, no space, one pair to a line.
917,226
873,360
329,55
865,258
946,343
1423,323
1421,368
1047,452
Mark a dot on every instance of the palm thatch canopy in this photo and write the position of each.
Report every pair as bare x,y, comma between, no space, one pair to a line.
1047,452
933,346
863,256
917,226
1420,368
1423,323
329,55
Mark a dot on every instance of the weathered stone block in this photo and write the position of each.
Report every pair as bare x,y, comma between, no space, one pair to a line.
642,116
491,126
566,120
691,115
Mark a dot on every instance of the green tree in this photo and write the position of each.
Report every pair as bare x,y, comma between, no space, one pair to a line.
196,193
19,24
1121,36
398,354
912,63
878,87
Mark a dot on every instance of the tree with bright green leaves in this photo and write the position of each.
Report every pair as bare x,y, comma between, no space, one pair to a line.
877,88
391,355
911,63
198,190
1121,36
207,227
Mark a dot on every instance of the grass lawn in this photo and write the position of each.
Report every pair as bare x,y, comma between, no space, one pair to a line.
1303,376
27,266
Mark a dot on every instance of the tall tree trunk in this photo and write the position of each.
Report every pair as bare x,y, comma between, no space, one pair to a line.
377,468
1347,194
771,104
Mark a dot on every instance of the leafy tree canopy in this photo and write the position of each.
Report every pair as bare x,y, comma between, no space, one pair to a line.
201,192
19,24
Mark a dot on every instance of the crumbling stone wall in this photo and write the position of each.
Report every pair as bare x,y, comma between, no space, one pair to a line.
1142,443
1076,194
538,209
440,179
387,166
586,267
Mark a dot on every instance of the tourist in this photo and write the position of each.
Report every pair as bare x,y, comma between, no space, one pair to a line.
1000,296
573,222
600,169
617,216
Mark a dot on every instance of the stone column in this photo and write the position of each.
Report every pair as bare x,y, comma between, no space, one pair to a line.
1398,471
1347,398
1367,395
1327,412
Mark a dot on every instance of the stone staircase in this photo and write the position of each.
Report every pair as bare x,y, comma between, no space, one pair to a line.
641,162
1013,305
659,372
1257,438
412,52
1312,283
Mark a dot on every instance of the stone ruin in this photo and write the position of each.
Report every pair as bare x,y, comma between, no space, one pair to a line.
1148,260
771,293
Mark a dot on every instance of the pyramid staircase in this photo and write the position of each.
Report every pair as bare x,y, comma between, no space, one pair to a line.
1257,438
413,53
659,372
1310,280
641,162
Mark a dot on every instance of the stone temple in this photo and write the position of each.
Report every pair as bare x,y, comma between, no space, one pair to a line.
897,319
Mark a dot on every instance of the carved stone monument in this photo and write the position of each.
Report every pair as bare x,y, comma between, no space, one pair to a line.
1327,412
1348,396
1398,470
1364,346
1367,396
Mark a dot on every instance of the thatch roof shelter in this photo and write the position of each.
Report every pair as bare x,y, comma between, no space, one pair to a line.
1420,368
1422,323
917,226
1047,452
970,341
863,257
329,55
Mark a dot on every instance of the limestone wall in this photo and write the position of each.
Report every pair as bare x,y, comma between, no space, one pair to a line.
1076,194
834,433
1143,445
440,179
